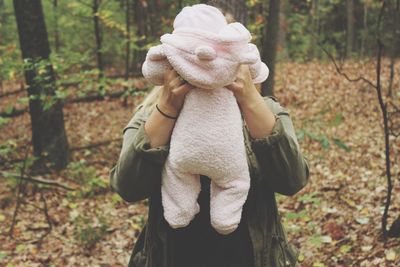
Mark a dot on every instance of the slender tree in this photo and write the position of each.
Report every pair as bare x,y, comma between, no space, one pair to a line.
56,31
3,21
128,37
350,34
99,40
269,44
142,32
394,13
155,9
315,22
48,133
128,44
365,29
237,8
3,17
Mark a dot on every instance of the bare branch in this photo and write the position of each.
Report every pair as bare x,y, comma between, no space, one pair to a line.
102,143
36,180
394,119
48,219
21,190
339,69
15,92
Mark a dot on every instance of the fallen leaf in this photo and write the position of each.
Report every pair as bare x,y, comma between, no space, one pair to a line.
390,255
366,248
2,255
345,248
362,220
326,239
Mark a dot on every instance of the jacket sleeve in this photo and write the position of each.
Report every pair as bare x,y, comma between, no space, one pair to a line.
282,164
138,169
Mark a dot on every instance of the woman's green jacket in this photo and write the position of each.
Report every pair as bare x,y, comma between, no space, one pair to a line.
276,165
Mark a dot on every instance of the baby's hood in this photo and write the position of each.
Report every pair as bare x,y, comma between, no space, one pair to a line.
205,50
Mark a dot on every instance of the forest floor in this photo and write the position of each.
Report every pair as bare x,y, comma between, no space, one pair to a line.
335,220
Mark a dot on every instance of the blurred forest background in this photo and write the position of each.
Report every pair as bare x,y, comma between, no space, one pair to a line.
70,78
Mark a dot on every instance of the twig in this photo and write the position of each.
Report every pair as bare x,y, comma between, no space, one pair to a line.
21,189
14,113
394,127
96,144
15,92
48,219
37,180
339,69
90,98
332,188
89,146
96,97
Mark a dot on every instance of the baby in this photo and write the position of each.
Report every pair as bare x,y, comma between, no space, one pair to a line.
207,138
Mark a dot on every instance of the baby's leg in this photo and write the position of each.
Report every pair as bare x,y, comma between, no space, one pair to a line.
179,192
226,203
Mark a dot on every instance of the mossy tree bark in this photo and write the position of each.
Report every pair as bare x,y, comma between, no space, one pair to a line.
49,138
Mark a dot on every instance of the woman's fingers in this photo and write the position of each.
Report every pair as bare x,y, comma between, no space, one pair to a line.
172,79
168,75
177,81
183,89
239,82
235,86
244,72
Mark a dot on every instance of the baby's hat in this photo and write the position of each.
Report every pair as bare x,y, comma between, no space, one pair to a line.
205,50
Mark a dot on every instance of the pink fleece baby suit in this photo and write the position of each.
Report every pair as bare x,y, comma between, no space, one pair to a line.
208,136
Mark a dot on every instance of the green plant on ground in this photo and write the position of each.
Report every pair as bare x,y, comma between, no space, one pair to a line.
90,183
88,231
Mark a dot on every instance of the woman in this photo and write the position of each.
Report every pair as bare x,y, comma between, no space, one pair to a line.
275,162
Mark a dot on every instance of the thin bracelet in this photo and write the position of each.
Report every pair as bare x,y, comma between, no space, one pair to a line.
165,115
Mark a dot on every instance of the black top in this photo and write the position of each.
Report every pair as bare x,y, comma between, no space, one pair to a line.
199,245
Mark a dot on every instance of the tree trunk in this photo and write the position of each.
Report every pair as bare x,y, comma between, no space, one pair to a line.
237,8
3,21
140,14
350,28
128,44
155,9
270,41
128,37
3,17
365,30
315,27
282,44
394,49
48,133
97,33
56,32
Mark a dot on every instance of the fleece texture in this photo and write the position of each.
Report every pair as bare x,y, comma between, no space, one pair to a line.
207,138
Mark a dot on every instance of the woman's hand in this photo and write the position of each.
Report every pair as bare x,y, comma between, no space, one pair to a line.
259,118
173,94
243,87
158,127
